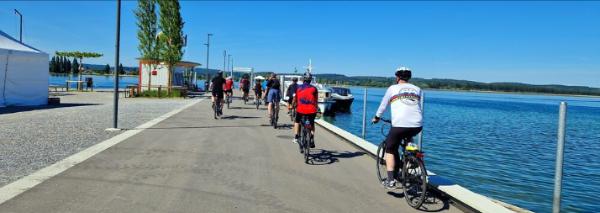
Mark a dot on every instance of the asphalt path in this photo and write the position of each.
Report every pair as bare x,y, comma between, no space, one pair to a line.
191,162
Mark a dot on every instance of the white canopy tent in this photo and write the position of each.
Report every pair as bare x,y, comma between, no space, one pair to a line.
23,73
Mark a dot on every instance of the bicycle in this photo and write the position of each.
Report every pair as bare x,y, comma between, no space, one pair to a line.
228,99
257,101
305,138
245,98
217,108
414,174
274,113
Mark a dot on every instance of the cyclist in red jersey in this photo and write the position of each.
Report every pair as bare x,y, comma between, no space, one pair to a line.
306,105
228,86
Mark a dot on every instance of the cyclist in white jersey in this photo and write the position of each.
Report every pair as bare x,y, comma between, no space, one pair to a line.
407,119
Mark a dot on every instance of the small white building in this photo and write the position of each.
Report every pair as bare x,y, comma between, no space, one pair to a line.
157,75
24,73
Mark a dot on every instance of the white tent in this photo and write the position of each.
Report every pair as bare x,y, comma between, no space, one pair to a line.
23,73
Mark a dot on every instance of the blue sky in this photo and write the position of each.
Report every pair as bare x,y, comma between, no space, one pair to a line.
531,42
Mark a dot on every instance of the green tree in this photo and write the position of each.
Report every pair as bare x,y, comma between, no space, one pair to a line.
121,70
51,65
107,69
75,65
171,24
81,56
149,45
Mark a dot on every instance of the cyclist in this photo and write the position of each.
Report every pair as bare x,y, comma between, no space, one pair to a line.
291,91
258,89
228,87
407,119
306,105
217,88
245,86
273,92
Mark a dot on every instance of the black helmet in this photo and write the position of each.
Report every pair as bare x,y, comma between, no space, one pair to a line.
307,77
294,79
220,73
403,73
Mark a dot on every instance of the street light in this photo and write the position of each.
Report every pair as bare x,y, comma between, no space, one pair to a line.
117,44
20,26
207,53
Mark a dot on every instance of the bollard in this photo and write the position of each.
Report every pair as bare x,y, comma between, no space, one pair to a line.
562,124
364,122
159,89
420,145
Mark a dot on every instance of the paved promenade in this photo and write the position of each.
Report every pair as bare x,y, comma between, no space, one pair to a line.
193,163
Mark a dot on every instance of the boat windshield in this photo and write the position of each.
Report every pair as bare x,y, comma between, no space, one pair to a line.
341,91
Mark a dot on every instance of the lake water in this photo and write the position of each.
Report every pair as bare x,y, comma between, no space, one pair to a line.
503,145
100,81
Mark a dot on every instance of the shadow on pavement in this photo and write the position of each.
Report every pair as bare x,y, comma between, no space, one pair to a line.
324,157
242,107
15,109
231,117
200,127
434,201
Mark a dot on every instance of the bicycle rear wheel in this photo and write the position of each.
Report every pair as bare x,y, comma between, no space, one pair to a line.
214,107
306,144
381,165
274,114
228,101
414,181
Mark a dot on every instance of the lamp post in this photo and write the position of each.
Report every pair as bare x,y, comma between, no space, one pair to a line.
20,25
116,95
224,60
207,54
228,61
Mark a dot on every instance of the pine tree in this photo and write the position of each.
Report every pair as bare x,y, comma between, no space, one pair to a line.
68,65
75,66
121,70
107,69
51,65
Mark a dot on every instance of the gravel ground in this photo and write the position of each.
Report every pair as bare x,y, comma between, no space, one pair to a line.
32,138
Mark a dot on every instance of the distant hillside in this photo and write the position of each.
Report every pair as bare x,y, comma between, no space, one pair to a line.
452,84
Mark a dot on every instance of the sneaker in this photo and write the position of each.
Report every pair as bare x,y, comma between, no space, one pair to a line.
389,184
296,140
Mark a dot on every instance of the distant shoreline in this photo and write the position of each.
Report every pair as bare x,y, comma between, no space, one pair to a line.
489,91
61,74
520,93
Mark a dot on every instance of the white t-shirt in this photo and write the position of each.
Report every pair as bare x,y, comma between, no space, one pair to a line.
405,104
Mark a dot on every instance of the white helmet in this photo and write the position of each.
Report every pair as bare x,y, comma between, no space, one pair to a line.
403,69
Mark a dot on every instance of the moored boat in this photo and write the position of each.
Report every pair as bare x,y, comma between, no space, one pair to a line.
343,99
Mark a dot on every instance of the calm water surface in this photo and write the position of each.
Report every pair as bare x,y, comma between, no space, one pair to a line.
504,145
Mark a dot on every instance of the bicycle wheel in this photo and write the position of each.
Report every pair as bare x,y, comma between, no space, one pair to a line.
214,107
381,165
306,139
414,181
276,115
228,101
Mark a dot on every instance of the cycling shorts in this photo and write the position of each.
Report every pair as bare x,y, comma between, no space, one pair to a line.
397,135
218,94
274,95
310,117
